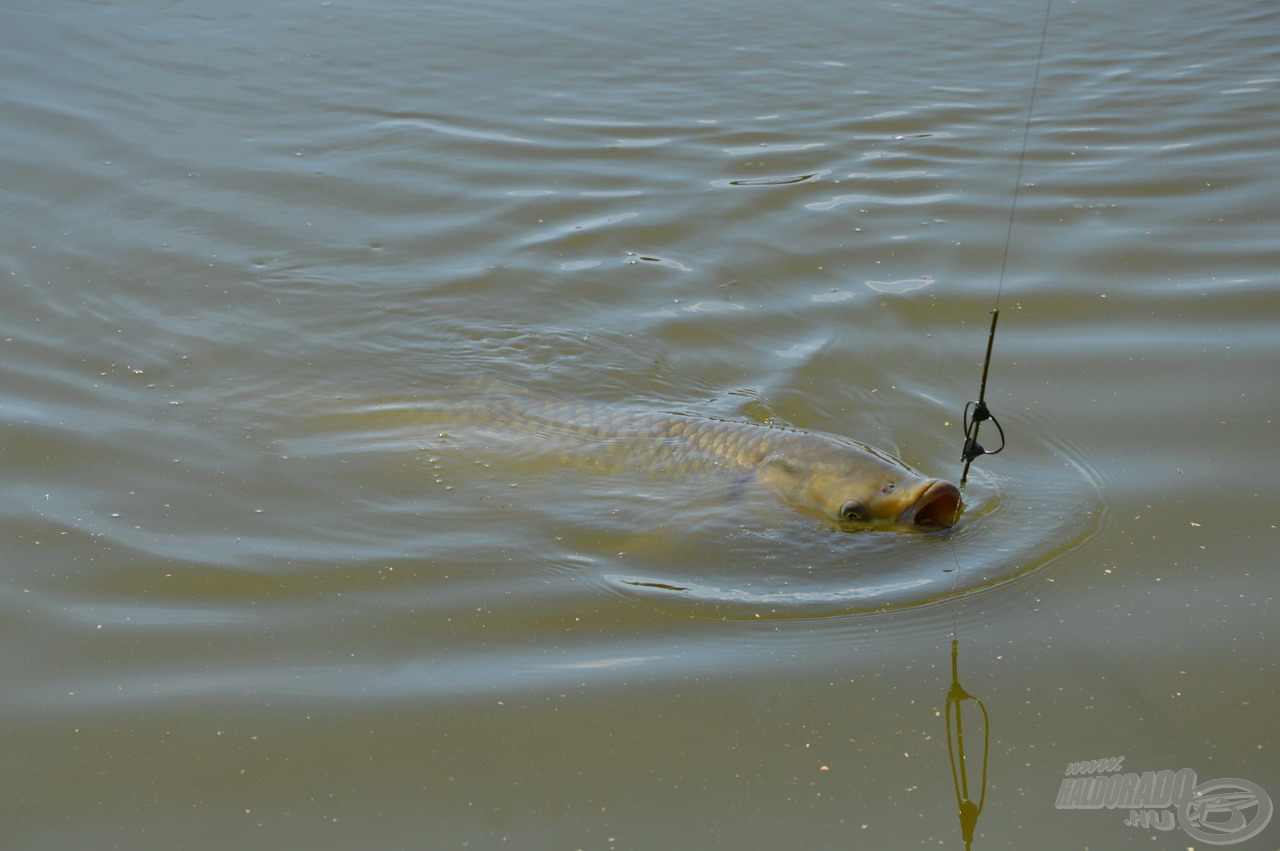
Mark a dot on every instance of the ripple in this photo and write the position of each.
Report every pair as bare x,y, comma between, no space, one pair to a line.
783,180
634,259
595,122
1016,524
566,230
898,287
871,200
451,130
769,148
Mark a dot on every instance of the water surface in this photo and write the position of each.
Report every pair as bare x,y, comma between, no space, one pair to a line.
224,628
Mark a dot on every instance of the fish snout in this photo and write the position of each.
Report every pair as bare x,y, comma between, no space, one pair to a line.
937,507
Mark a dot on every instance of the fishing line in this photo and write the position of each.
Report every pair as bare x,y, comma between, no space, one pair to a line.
975,414
1022,158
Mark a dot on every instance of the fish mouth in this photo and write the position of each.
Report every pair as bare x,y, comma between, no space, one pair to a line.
937,507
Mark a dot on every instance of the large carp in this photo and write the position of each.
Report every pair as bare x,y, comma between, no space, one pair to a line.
842,480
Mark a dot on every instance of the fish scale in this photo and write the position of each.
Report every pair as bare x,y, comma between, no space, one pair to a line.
632,432
829,475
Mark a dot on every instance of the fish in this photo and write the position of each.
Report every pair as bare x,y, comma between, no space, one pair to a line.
849,484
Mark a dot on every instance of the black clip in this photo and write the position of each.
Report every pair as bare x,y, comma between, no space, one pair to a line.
974,414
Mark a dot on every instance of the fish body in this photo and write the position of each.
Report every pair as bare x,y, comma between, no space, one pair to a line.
842,480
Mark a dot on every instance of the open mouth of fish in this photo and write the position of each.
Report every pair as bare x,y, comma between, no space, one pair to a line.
937,507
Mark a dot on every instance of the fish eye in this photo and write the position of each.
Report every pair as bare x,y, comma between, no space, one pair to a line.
888,487
852,510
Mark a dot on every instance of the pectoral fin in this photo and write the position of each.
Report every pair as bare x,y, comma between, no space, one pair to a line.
778,474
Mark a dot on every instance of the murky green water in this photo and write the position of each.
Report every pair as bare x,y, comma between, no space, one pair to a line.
225,626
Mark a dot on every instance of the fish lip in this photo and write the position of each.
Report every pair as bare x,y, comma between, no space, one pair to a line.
937,507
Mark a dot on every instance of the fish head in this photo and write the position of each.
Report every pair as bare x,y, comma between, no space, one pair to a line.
885,495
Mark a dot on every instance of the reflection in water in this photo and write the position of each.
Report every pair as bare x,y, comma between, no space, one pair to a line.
975,413
956,695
